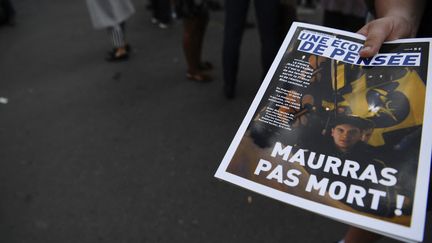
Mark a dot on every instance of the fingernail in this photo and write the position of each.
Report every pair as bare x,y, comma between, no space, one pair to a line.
366,48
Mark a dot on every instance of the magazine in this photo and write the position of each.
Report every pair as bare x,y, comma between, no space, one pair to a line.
339,135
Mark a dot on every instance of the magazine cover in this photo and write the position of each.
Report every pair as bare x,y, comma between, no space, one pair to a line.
343,136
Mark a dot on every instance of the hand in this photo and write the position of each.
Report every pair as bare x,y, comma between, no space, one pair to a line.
384,29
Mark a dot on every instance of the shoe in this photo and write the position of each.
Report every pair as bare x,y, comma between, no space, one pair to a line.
113,56
154,20
199,77
174,14
127,47
163,25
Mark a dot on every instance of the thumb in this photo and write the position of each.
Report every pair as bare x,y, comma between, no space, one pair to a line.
376,33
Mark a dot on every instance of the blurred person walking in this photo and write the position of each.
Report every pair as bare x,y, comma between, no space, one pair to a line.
112,15
269,27
195,14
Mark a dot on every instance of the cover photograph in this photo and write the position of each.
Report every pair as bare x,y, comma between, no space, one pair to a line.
343,136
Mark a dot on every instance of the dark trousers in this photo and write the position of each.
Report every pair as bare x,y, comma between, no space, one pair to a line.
342,21
269,30
7,12
162,10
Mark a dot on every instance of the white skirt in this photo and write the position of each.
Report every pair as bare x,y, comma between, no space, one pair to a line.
107,13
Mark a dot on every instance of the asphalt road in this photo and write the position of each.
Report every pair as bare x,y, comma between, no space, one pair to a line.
92,151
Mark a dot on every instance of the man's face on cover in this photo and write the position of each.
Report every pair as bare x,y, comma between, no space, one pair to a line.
345,136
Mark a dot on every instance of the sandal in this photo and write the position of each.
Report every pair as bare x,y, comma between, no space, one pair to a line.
127,47
114,56
199,77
